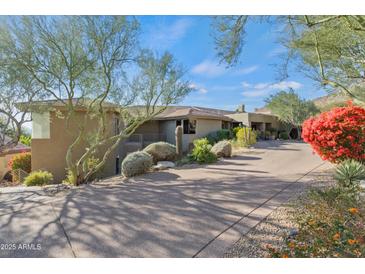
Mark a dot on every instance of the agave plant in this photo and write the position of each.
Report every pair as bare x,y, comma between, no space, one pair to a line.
349,173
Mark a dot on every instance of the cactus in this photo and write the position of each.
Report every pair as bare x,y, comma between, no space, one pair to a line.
178,140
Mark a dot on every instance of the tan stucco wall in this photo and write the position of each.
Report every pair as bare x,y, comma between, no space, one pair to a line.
240,117
148,127
203,128
49,154
262,118
247,118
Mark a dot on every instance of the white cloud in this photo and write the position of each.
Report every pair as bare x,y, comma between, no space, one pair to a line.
246,85
165,36
264,89
247,70
199,88
208,68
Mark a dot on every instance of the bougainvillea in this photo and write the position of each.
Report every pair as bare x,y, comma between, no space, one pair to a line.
338,134
21,161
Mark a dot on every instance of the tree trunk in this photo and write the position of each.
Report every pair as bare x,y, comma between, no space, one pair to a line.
299,133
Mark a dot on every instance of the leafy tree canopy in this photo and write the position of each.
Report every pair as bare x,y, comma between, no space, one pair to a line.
290,108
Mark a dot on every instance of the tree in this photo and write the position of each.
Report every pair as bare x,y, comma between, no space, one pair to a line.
291,109
13,91
86,58
328,49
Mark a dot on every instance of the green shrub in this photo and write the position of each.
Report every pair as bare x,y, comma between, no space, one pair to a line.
349,173
246,137
21,161
161,151
136,163
284,135
70,179
220,135
38,178
202,152
25,140
235,130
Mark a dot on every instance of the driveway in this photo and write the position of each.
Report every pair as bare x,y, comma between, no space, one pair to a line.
197,212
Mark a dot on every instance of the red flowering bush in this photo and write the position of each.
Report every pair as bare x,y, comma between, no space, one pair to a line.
338,134
21,161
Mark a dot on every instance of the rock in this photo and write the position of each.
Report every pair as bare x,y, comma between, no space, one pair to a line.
56,188
222,149
161,151
161,165
293,233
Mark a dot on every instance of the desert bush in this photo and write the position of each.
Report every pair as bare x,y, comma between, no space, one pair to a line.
284,135
246,137
136,163
38,178
222,149
330,223
338,134
220,135
349,173
21,161
201,152
161,151
25,140
235,130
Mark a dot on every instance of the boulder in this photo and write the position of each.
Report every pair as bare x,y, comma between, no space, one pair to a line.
222,149
161,165
136,163
161,151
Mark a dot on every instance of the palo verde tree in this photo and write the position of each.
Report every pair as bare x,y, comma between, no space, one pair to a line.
291,109
328,49
90,62
14,88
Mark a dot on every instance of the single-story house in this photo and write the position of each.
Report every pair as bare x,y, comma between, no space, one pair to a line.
51,137
8,154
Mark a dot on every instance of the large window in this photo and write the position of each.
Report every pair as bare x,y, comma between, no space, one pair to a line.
116,126
226,125
189,126
41,125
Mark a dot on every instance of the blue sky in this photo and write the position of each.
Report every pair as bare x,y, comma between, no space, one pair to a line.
189,39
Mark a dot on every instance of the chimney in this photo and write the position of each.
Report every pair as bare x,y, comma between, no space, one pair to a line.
241,108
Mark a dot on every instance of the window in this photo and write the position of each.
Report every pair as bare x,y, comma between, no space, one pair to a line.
189,126
41,125
225,125
116,126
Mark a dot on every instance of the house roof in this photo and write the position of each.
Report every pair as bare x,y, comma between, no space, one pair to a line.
174,112
263,110
80,103
16,149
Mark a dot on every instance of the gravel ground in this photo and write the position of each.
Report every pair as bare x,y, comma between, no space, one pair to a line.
275,228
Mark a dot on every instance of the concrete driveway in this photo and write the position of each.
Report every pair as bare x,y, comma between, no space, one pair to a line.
196,212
